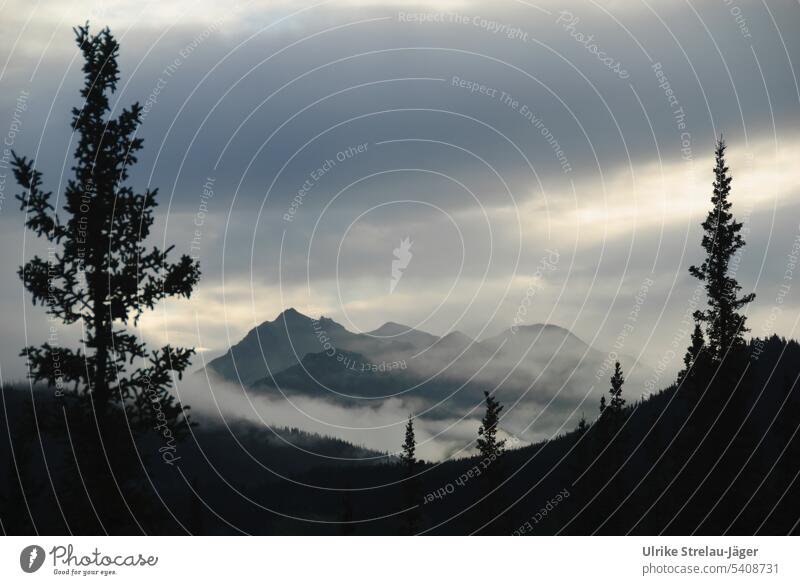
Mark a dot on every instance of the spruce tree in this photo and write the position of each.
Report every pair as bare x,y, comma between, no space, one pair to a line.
725,325
99,272
491,450
408,456
611,411
488,445
617,401
716,438
410,489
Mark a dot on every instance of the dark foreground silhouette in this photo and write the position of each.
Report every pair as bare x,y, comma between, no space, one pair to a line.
668,465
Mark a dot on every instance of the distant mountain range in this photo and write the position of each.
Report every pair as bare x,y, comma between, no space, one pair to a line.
532,367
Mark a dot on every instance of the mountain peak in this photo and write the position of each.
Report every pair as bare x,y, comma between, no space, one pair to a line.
397,333
391,328
291,314
546,327
455,340
454,336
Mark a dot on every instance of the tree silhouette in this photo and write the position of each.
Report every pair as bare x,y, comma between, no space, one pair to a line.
410,483
612,443
409,446
99,272
617,401
718,434
491,450
488,445
725,326
694,359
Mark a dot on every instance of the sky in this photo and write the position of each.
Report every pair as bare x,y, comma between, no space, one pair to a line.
295,145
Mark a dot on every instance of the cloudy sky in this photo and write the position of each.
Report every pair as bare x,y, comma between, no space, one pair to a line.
492,135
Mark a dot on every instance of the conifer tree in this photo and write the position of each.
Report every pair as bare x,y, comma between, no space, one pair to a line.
617,401
410,488
694,359
724,324
408,456
491,450
99,272
611,411
488,445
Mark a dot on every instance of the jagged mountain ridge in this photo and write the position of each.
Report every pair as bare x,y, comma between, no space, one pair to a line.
295,354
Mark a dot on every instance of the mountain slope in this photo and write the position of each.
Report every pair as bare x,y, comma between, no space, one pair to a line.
543,372
276,345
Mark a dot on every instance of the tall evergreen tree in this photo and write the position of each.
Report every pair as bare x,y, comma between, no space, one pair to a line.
488,445
99,271
491,450
725,325
408,456
611,411
617,401
716,438
410,488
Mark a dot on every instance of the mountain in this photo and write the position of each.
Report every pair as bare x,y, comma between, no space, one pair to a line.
395,332
276,345
545,371
346,375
